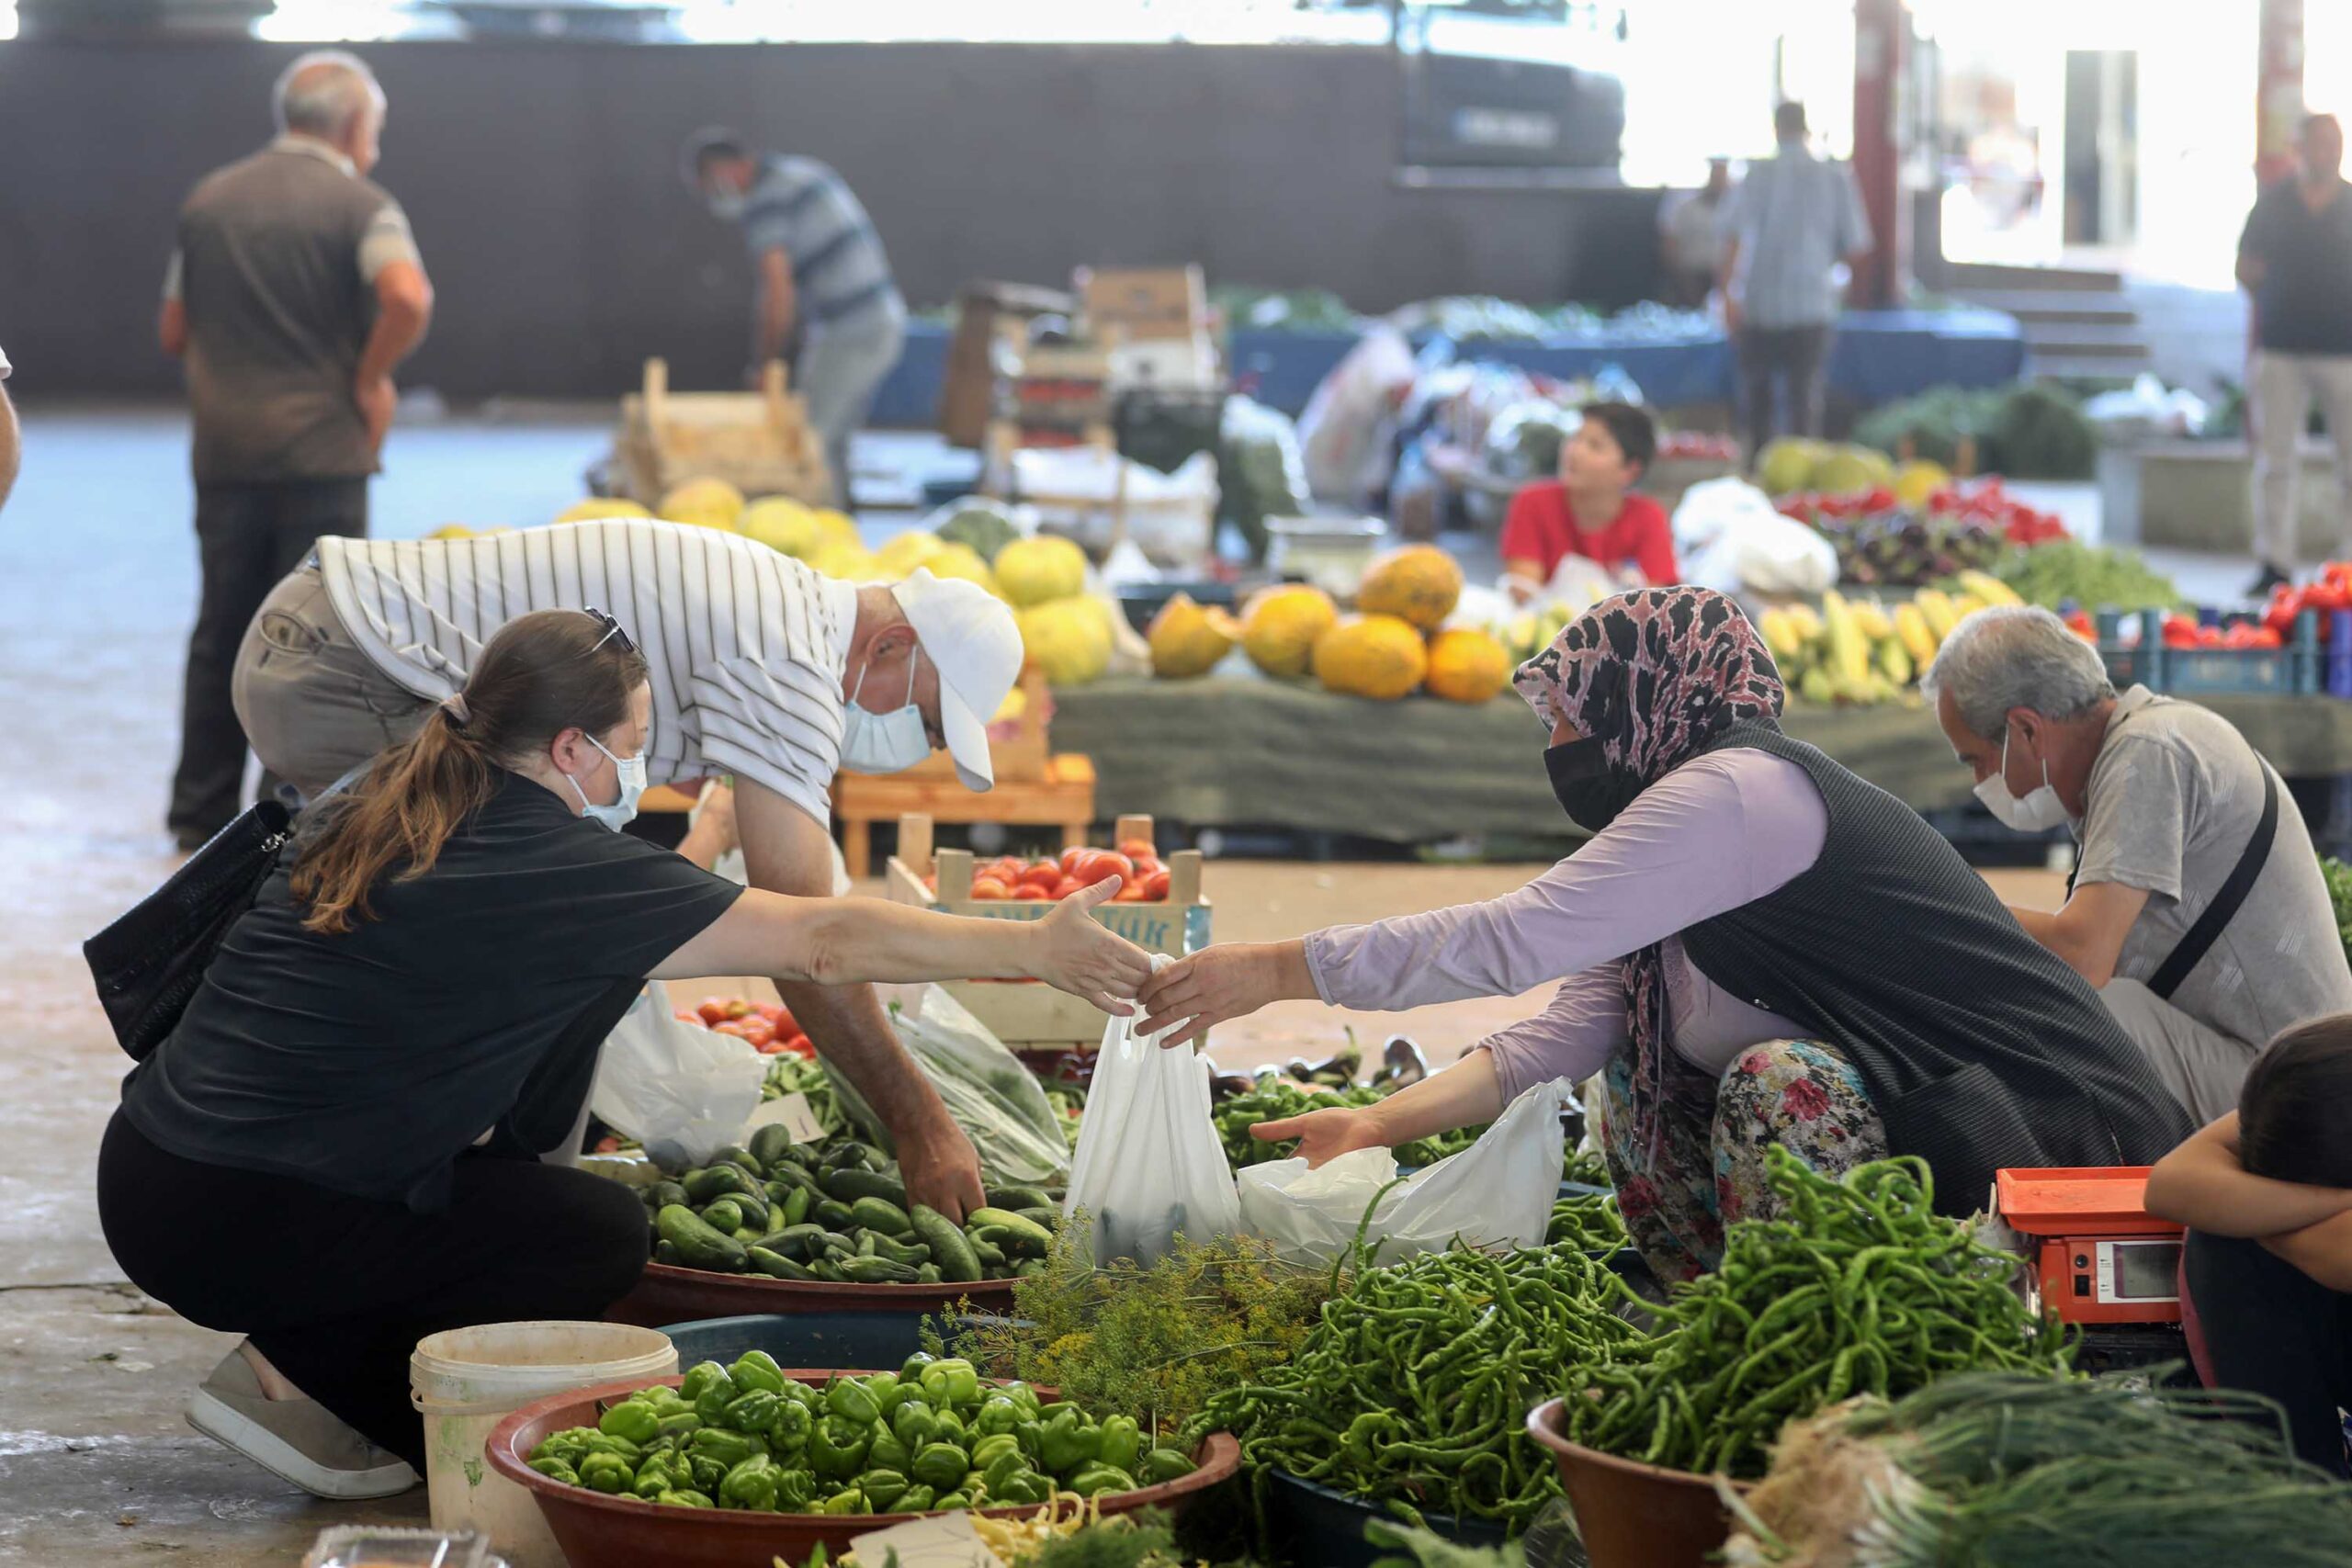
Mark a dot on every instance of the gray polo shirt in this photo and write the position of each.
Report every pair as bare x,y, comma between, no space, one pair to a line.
1796,216
802,207
2173,798
276,265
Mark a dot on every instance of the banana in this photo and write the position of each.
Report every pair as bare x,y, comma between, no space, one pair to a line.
1806,620
1964,605
1870,616
1989,589
1850,658
1894,663
1779,634
1816,687
1937,606
1911,630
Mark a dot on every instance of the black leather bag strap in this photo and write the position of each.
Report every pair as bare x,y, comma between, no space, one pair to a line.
2208,928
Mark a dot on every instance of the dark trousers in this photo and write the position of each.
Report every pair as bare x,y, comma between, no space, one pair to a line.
337,1290
1773,361
2272,1329
248,537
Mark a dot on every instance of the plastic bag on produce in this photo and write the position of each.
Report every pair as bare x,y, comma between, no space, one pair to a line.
1148,1164
1730,539
1496,1192
1340,435
678,1089
999,1103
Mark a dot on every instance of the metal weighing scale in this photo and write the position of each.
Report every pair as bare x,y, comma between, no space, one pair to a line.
2101,1261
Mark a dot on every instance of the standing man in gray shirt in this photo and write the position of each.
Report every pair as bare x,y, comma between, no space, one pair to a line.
822,274
2169,801
1786,229
294,290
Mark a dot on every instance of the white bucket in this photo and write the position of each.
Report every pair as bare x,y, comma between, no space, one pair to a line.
466,1381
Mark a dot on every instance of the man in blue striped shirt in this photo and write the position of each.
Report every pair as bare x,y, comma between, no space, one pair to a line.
1786,230
821,273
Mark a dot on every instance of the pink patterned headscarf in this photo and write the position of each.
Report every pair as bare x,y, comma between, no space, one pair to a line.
1654,676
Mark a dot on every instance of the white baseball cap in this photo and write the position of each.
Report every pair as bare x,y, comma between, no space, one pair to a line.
970,635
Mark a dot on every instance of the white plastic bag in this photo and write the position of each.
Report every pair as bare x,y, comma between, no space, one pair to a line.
1148,1163
678,1089
997,1102
1339,434
1496,1193
1732,540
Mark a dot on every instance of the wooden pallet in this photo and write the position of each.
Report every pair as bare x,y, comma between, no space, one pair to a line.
759,442
1063,798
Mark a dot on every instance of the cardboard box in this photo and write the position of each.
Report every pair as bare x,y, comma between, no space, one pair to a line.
1146,303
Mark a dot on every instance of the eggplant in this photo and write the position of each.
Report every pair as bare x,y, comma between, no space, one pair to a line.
1402,1063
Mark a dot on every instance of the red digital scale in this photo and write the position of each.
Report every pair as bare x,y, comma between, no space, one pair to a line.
2099,1256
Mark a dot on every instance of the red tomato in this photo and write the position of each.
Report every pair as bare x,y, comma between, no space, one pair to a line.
1068,886
1036,869
1069,858
1131,894
2208,636
731,1027
2239,636
689,1015
1146,865
713,1010
1037,889
738,1007
797,1044
2180,631
989,887
2079,623
1137,849
1095,865
2327,595
758,1030
769,1047
1155,887
610,1144
2264,637
781,1016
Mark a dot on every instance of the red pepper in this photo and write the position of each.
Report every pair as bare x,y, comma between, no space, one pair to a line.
2327,595
2180,631
2241,634
2079,623
2266,636
2208,636
2278,618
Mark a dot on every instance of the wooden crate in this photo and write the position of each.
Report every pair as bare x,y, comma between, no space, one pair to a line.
1027,1014
1063,798
759,442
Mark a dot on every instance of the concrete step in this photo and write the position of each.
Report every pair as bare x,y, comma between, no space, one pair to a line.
2043,367
2073,306
2091,339
1961,277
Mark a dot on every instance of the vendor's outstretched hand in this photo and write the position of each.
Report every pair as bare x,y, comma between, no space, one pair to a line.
1216,984
1324,1134
1081,956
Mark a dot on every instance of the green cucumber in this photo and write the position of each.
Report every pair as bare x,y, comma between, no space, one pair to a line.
771,1143
725,1215
736,1153
697,1244
664,1253
876,1272
825,1268
1018,1197
661,1195
849,1183
797,1241
990,1254
850,1152
881,1214
833,1214
1045,1219
949,1250
716,1181
1021,1234
775,1266
755,1208
910,1252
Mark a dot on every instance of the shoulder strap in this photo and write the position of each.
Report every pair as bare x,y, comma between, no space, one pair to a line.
2208,928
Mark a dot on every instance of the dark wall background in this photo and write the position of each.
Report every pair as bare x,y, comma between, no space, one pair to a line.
541,181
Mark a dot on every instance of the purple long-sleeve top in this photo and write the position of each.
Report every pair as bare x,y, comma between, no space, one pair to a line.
1719,831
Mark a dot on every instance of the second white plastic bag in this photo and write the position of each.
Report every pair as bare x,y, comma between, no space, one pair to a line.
678,1089
1498,1192
1148,1164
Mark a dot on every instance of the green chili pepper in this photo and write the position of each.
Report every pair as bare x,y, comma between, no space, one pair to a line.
997,1414
700,1377
1033,1436
1121,1443
757,1369
1162,1465
606,1472
939,1465
796,1489
570,1445
837,1447
1067,1443
1022,1395
850,1399
683,1498
750,1485
955,1383
706,1471
554,1469
913,1424
882,1487
1096,1478
752,1412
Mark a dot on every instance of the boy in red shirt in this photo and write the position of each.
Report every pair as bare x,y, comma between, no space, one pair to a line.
1585,511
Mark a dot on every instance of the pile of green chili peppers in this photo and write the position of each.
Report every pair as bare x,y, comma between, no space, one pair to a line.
930,1436
1416,1385
1859,1287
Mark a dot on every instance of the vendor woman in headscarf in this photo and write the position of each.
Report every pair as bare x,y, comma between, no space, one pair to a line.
1756,947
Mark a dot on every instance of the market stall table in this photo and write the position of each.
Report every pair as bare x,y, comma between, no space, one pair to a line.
1240,751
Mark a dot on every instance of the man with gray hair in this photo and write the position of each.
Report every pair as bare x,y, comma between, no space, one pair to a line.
2198,911
294,291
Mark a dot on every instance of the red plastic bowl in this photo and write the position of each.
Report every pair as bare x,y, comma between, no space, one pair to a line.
600,1532
666,1293
1633,1515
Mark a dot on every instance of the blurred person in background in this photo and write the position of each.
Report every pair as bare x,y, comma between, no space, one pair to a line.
294,290
1689,239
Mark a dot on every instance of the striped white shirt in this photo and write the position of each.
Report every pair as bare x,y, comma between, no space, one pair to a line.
744,647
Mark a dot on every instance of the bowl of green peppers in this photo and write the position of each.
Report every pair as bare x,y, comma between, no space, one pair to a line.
731,1466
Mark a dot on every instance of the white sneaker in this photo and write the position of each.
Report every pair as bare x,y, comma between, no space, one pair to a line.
297,1439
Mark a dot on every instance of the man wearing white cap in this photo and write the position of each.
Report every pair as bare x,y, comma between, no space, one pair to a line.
759,668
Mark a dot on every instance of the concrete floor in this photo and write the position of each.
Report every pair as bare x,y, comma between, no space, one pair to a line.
97,587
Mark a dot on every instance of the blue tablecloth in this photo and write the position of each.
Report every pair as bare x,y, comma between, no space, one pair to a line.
1878,355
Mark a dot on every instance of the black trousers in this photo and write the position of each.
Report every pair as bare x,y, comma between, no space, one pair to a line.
1773,360
248,537
337,1290
2272,1329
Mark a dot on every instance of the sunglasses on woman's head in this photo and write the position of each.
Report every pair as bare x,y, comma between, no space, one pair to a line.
612,631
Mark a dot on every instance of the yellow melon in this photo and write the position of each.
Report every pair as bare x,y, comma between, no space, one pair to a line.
1039,571
960,561
782,524
1187,640
1372,655
1066,639
706,504
596,508
1467,665
1418,583
1280,625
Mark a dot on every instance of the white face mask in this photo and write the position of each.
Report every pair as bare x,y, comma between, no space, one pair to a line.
883,742
727,203
2040,811
630,773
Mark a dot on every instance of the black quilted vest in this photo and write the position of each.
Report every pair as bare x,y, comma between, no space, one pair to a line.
1980,1047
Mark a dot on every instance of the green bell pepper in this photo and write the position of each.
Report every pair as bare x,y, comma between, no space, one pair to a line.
751,1485
639,1423
888,1393
998,1414
619,1448
1033,1436
882,1488
1121,1443
570,1445
796,1489
1066,1444
915,1499
1094,1478
951,1502
700,1376
715,1396
681,1422
606,1472
850,1400
953,1382
1020,1488
1000,1468
663,1397
554,1469
707,1472
913,1424
940,1466
725,1445
947,1426
1162,1465
683,1498
911,1370
752,1412
788,1431
1022,1395
850,1502
837,1447
987,1450
757,1369
884,1450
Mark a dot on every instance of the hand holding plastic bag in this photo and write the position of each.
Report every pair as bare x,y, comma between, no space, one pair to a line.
1148,1164
678,1089
997,1102
1498,1192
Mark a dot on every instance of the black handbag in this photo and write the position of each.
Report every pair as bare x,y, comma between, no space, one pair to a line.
149,962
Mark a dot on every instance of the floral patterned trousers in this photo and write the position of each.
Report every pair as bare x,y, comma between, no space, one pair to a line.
1708,1172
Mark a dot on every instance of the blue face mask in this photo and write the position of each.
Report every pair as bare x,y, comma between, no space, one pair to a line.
883,742
630,773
